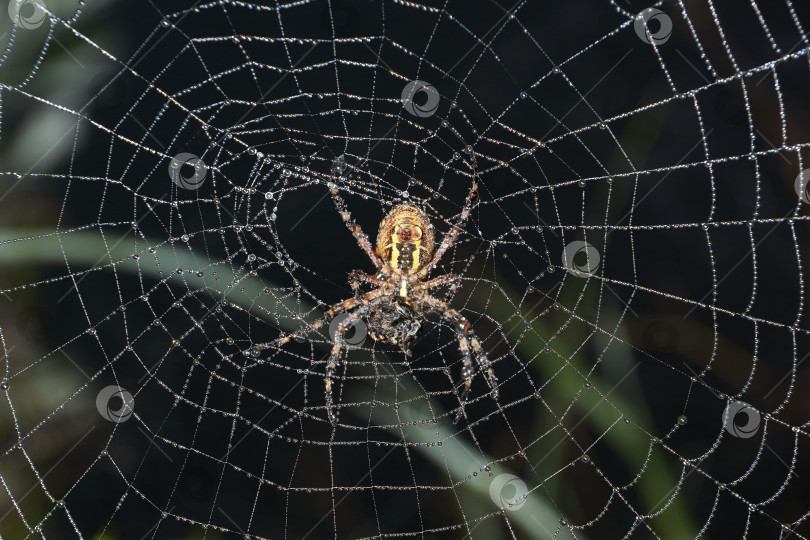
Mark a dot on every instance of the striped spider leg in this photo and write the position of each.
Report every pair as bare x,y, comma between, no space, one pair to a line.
470,348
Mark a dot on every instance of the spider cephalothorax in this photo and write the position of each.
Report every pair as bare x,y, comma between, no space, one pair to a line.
395,310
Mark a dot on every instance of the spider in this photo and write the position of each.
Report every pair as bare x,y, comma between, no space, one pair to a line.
398,305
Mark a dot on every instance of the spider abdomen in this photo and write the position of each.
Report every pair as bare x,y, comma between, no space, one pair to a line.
405,239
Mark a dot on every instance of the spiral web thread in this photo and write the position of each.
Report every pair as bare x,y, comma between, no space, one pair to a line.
633,269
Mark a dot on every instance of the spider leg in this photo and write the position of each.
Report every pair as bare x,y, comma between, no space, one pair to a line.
468,343
441,280
336,309
359,235
330,372
454,232
466,372
334,357
356,277
451,279
339,337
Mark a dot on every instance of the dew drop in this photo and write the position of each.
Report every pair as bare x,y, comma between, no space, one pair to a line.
339,164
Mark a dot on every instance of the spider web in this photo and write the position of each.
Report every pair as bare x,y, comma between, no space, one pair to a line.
633,269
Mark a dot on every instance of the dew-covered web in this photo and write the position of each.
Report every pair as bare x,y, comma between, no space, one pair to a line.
632,268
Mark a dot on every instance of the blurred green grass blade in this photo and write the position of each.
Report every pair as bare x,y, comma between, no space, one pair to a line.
630,443
86,251
459,459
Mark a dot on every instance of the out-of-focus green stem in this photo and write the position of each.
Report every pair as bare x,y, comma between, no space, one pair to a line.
85,250
460,460
628,440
